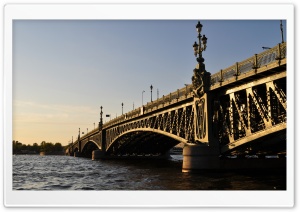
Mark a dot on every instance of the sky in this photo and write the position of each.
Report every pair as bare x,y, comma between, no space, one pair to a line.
64,70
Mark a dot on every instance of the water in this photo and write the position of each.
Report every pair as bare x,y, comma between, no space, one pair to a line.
34,172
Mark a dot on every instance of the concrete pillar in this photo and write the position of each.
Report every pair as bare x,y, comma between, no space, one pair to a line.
98,154
197,157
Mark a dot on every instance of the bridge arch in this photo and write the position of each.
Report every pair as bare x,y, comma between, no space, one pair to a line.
158,131
143,141
88,147
89,142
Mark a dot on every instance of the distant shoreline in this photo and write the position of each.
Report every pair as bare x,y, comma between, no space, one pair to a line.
39,153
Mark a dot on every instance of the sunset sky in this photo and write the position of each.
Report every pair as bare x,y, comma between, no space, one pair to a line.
64,70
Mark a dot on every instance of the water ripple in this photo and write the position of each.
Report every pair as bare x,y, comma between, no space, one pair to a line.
34,172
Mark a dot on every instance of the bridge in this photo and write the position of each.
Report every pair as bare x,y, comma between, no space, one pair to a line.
232,119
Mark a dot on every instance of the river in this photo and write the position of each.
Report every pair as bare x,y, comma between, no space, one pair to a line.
34,172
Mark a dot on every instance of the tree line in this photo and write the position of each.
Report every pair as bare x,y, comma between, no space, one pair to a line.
48,147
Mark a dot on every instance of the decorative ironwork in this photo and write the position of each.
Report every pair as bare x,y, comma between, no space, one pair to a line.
199,78
197,81
200,119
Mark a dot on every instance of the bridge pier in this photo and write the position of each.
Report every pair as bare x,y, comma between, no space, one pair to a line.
197,157
202,157
98,154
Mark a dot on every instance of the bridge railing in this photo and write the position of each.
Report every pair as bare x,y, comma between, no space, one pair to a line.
253,63
178,95
174,97
88,134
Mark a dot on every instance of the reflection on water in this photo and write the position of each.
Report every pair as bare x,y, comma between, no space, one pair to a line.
34,172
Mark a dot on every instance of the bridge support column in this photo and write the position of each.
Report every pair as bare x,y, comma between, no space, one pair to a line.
98,154
197,157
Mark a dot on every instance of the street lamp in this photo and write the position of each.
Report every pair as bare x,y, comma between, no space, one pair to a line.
151,87
143,98
281,29
186,90
101,119
201,45
122,107
200,73
94,125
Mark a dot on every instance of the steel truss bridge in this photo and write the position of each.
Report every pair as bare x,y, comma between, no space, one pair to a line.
242,112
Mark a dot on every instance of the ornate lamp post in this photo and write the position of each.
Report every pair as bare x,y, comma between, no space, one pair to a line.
122,107
198,49
151,87
200,73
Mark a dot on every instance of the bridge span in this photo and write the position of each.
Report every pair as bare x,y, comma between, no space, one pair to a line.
222,119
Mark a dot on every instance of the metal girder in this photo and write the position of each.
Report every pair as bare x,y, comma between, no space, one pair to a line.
256,83
260,111
252,137
233,100
278,92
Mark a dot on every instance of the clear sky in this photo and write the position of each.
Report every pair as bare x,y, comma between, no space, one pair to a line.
64,70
